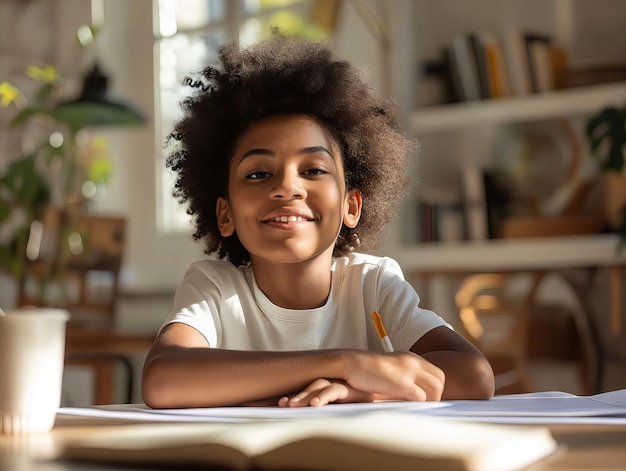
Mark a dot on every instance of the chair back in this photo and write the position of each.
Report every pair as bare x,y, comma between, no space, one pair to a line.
495,317
81,273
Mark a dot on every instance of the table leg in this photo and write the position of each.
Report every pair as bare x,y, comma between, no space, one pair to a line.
616,300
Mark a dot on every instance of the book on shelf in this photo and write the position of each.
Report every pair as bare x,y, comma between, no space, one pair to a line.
482,67
476,67
538,47
479,57
499,82
452,78
539,63
464,69
475,203
517,62
390,441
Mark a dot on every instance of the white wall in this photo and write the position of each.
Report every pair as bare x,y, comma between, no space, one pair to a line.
154,260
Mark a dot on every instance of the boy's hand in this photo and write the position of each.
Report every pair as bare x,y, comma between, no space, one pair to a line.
399,375
324,391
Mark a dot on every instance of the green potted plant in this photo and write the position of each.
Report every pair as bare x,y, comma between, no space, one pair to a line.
25,186
52,173
606,131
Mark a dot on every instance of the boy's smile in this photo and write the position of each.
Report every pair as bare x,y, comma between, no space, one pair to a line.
287,198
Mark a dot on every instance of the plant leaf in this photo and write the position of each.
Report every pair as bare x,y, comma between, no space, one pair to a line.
608,126
5,210
27,113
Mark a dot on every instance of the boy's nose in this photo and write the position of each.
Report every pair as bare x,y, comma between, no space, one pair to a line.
288,185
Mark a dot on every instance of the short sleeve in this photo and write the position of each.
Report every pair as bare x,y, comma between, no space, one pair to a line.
196,303
405,320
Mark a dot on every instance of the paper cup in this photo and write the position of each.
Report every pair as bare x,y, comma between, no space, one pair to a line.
32,351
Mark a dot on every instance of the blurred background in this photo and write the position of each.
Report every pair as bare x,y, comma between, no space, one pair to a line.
511,229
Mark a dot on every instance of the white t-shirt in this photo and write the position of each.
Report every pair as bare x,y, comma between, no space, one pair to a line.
227,307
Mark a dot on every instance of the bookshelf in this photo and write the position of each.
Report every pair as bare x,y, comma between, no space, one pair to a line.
532,107
466,136
457,121
453,135
511,255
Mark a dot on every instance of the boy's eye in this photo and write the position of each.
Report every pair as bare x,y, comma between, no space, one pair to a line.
257,175
315,171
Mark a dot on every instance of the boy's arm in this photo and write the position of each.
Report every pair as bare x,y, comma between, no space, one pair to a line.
468,373
181,371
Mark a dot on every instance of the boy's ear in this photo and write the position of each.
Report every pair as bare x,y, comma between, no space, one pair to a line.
352,213
224,219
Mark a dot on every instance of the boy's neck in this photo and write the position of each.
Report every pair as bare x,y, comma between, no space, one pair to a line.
304,285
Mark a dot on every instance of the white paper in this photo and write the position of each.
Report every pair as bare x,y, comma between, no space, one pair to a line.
544,407
239,414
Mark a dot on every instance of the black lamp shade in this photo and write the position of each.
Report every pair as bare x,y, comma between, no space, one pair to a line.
94,106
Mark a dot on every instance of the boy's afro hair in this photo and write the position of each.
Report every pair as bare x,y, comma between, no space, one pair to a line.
286,75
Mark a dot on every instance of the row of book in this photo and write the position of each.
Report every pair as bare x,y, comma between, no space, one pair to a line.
477,216
481,66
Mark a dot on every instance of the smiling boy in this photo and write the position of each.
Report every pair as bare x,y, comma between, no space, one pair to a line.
287,200
290,163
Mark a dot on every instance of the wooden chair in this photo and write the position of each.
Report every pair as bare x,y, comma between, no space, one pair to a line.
87,264
88,271
496,321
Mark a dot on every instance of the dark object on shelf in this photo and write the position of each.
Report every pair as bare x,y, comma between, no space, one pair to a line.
519,227
592,75
440,70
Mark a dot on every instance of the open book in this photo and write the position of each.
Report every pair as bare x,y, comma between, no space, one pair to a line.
389,441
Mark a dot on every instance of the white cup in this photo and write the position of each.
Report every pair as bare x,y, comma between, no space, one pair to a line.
32,351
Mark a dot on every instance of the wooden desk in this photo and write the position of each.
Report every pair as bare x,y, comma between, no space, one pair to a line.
589,447
585,447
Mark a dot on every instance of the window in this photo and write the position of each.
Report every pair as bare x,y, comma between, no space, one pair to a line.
187,34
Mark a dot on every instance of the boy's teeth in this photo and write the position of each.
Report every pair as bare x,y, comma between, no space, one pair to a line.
288,218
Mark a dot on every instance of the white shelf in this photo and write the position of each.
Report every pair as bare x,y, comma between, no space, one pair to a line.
501,255
558,103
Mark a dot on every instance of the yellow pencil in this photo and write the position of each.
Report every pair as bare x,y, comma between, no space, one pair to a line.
382,333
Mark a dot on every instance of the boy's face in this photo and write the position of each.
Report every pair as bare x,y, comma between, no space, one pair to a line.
287,197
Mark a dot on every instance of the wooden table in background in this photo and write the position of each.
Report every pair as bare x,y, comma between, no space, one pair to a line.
101,348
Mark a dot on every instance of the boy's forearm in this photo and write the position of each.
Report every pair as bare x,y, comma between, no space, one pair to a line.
201,377
468,376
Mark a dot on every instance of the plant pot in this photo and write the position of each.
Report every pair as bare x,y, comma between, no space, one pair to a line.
614,198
